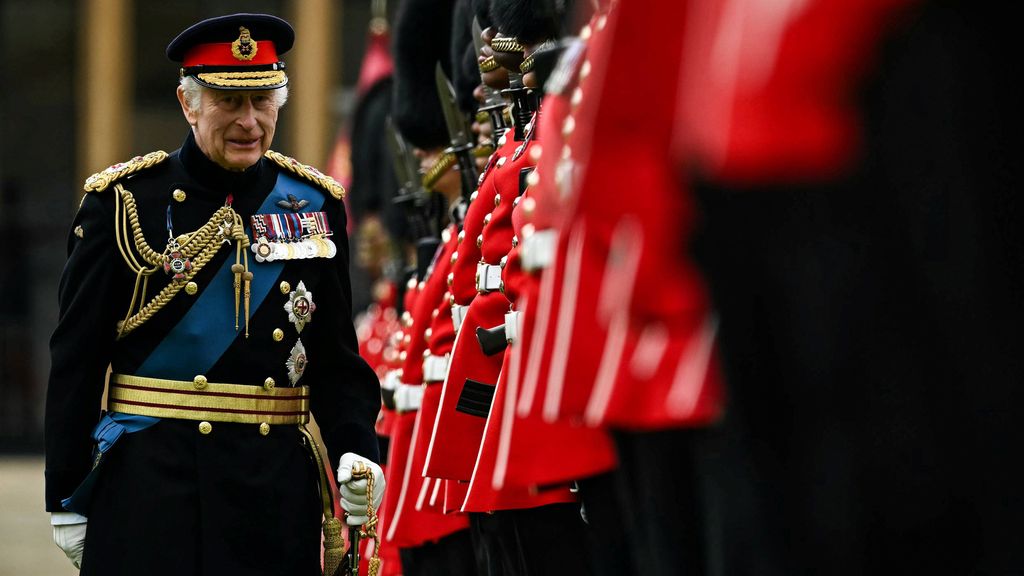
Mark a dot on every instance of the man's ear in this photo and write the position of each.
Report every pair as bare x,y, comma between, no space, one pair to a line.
190,115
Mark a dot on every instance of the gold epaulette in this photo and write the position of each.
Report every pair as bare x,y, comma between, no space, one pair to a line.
99,181
308,172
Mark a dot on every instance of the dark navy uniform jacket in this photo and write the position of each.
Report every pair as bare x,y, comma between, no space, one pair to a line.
170,499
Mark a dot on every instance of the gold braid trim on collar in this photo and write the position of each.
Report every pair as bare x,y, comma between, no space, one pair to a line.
100,181
308,172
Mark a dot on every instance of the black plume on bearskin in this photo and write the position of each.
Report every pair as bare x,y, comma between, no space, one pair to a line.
421,40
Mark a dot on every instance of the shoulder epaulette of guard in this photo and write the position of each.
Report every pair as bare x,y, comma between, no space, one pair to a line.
308,172
99,181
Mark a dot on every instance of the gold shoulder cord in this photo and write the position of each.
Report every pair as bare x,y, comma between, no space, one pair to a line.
308,172
199,246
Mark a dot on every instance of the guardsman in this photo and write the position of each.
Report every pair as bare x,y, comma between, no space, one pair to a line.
213,282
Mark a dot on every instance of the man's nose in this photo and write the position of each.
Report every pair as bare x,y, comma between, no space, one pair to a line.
247,115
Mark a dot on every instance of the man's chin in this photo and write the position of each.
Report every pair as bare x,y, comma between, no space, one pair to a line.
240,162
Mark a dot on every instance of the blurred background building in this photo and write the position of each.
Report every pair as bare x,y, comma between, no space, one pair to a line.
86,84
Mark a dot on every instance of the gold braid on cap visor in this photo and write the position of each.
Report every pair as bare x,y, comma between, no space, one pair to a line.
244,79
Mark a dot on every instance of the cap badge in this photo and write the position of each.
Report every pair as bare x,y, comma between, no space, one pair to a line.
244,48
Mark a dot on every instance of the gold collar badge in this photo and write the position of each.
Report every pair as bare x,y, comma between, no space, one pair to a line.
244,48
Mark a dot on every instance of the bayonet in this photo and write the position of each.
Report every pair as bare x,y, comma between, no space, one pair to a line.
458,132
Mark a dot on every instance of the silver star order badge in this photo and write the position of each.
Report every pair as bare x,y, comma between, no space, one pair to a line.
300,307
225,231
296,362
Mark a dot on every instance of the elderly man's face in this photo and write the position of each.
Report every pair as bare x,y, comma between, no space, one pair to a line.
233,127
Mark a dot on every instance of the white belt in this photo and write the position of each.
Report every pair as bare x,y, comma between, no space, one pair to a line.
537,250
488,278
513,323
458,315
435,368
408,397
391,380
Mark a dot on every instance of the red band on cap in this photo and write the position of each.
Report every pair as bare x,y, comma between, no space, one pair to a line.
219,54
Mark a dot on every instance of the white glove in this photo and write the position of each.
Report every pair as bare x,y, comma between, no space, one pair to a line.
69,535
353,492
408,398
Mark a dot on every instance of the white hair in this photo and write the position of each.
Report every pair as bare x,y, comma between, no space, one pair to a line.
194,91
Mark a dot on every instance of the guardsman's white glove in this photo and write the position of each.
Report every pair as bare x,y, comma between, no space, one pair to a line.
69,535
353,491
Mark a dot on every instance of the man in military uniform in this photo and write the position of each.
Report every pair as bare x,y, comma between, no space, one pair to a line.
214,283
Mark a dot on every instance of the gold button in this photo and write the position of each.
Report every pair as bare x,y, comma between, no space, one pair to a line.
285,287
497,200
480,241
199,382
264,428
487,218
533,179
451,278
268,384
451,300
501,162
205,427
455,256
278,334
403,355
79,231
462,234
515,241
474,195
191,288
427,334
434,313
179,195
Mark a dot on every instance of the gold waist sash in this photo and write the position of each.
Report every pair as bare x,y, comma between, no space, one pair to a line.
238,403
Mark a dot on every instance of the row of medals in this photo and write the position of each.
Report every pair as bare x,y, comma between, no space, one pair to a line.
311,247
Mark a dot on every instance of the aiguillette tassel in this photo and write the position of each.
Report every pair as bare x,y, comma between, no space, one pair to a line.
247,277
237,270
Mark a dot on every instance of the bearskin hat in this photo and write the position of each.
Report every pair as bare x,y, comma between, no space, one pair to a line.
529,21
421,40
465,69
